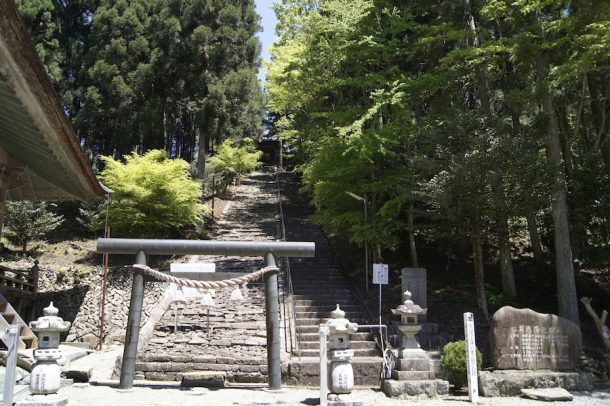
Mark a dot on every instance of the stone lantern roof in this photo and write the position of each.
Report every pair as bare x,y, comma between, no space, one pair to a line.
339,324
408,308
49,322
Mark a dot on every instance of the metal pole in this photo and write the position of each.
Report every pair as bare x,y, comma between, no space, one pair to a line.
10,339
104,290
366,247
187,247
272,316
134,318
380,304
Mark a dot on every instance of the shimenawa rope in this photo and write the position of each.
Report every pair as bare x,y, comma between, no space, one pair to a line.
227,283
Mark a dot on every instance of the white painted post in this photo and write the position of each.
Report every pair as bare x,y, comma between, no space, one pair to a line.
323,366
471,358
10,339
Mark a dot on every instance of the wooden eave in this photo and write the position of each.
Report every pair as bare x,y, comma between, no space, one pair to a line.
45,158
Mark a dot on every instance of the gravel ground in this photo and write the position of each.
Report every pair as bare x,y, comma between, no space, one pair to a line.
171,394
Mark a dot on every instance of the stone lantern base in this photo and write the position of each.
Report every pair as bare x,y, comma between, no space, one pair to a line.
43,400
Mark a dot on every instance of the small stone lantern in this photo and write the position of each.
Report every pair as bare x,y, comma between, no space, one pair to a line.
341,380
409,326
44,379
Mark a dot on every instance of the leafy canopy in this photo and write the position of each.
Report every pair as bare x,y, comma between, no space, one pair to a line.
153,194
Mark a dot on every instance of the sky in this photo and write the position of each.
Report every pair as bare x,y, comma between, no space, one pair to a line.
267,36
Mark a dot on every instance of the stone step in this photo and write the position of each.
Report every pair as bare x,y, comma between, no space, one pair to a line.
326,309
318,321
354,345
357,353
324,315
309,337
323,302
322,291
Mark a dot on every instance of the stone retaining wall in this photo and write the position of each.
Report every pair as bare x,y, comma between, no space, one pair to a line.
79,302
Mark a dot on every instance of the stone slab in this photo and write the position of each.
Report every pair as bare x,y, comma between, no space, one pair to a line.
416,281
410,375
407,389
43,400
214,379
343,400
525,339
79,374
548,395
510,382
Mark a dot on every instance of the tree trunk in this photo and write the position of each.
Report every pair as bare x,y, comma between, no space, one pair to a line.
532,228
600,112
479,274
412,246
566,284
506,259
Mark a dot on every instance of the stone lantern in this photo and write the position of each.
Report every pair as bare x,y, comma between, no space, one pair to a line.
44,379
341,380
409,327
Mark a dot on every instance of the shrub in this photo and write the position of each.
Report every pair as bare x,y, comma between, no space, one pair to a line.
153,194
233,160
453,360
29,220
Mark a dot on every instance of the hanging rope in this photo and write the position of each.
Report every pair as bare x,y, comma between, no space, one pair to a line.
227,283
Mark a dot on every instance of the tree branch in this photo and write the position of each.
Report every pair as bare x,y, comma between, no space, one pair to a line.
599,322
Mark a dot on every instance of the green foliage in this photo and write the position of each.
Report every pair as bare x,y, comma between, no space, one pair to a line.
453,360
29,220
153,195
435,109
235,161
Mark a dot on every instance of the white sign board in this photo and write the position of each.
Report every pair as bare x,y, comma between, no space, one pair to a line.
193,267
471,358
380,274
185,293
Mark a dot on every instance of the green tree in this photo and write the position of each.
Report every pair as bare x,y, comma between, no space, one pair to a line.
29,220
153,195
235,161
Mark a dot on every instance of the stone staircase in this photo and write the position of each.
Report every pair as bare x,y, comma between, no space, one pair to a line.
319,285
8,316
234,350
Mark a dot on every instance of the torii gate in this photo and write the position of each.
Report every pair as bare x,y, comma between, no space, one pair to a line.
142,247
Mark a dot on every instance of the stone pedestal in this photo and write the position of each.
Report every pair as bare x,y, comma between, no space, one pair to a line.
510,382
343,400
429,388
43,400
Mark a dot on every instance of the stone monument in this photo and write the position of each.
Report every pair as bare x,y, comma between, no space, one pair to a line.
415,281
524,339
530,349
